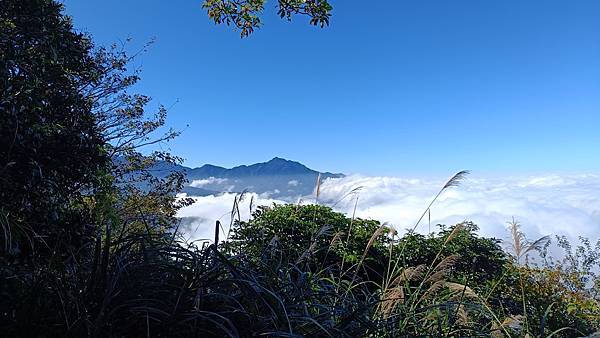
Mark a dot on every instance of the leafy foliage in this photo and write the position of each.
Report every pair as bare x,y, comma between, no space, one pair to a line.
481,259
52,150
299,232
245,14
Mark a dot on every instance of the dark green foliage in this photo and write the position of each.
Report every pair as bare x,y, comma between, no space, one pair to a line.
467,284
244,14
314,235
51,151
52,156
481,259
64,114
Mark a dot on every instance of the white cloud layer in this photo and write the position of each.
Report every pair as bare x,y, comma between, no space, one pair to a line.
550,204
207,181
559,205
200,217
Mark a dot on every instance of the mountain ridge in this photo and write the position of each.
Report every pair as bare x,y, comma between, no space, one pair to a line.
275,166
278,178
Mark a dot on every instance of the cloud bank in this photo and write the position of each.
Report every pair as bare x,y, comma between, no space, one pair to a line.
207,181
545,204
198,219
551,204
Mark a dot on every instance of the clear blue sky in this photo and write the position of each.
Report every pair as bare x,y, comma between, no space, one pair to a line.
391,87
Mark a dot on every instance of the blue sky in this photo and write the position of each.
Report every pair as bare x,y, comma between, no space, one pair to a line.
392,87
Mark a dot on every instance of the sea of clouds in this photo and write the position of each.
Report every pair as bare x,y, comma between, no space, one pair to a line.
544,204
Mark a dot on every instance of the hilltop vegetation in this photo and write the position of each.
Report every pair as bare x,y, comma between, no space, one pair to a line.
86,251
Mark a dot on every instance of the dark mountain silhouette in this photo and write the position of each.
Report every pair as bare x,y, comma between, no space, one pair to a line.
276,166
279,178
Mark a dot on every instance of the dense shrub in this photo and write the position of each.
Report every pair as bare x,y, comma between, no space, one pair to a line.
314,236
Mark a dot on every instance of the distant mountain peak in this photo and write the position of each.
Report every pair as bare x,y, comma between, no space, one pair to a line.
280,160
277,177
277,166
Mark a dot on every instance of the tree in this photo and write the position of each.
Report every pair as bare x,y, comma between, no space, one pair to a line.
74,186
51,148
141,187
52,156
245,14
